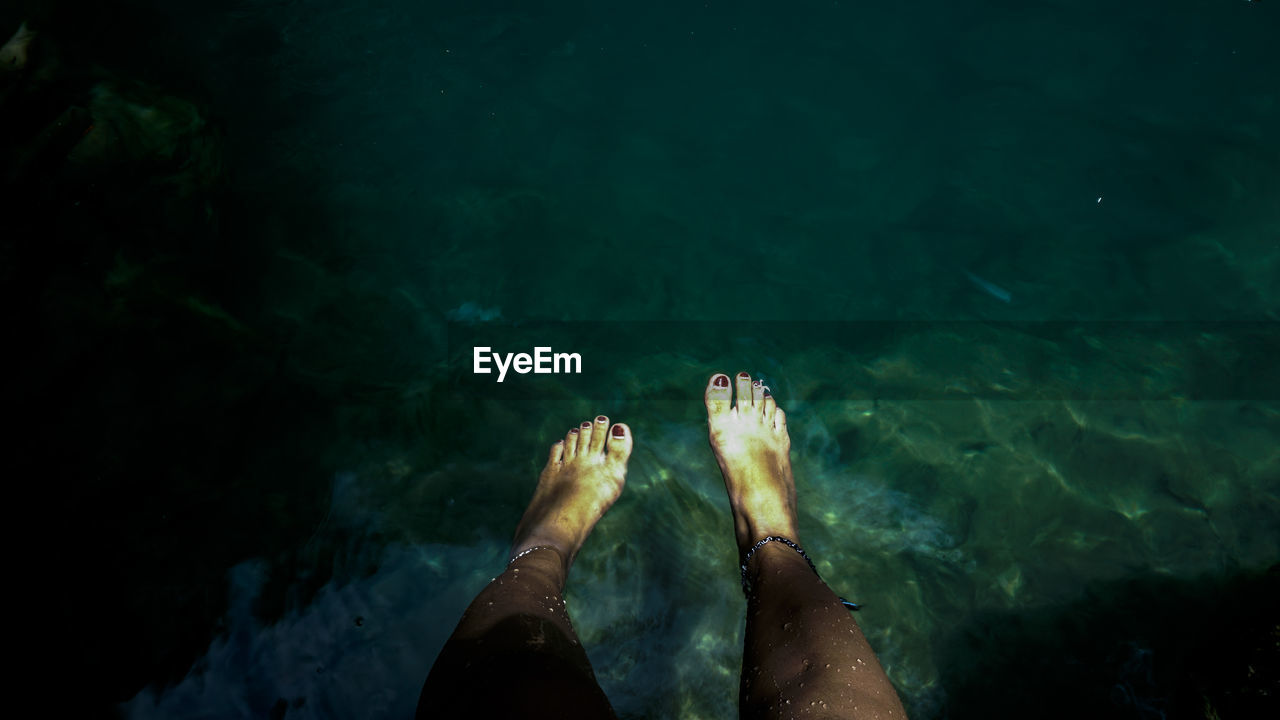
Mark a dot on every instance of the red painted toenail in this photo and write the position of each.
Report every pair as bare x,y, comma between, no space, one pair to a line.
573,431
602,419
586,425
755,383
721,381
766,392
744,375
619,431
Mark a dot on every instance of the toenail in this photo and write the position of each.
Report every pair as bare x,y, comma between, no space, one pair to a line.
619,431
573,431
766,391
755,384
586,425
721,381
744,375
602,419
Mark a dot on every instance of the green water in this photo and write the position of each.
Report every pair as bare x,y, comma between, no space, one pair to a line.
1013,270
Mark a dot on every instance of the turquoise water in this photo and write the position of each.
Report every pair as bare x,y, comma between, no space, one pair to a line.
1011,269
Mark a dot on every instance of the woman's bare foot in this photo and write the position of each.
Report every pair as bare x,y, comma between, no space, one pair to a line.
753,448
583,476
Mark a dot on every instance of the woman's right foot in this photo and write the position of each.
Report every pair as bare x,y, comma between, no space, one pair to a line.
751,444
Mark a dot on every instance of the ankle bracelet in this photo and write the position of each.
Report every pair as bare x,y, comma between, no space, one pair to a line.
535,547
772,538
746,584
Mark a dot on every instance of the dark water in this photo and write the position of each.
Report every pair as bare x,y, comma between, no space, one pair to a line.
1013,269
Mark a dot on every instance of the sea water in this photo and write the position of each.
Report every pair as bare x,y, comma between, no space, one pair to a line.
1010,269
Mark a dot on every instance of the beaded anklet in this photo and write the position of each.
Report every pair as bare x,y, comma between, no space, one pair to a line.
526,552
746,585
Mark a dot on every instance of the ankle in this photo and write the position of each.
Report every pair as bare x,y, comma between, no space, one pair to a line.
757,531
543,560
774,552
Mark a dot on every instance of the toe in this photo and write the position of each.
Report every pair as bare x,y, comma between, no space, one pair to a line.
757,396
598,434
744,392
571,444
719,397
770,405
584,438
557,452
620,443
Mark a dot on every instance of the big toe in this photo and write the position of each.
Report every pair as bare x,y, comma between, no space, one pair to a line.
718,396
620,443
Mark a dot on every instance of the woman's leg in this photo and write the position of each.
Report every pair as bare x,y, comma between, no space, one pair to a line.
804,654
514,652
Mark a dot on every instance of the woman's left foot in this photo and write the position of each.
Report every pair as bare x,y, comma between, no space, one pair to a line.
582,479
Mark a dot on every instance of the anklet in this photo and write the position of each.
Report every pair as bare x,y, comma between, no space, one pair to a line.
766,541
746,585
535,547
